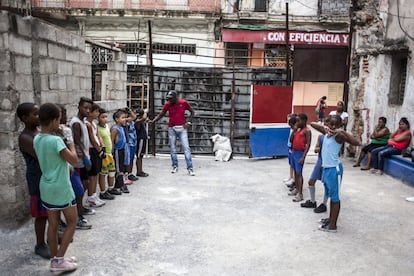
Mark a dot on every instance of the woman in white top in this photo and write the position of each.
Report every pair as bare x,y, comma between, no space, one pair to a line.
340,111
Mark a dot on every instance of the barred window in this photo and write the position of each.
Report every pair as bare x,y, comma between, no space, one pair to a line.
160,48
101,55
398,79
237,54
275,56
163,48
135,48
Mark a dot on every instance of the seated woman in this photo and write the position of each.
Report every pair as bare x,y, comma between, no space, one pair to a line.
379,138
399,140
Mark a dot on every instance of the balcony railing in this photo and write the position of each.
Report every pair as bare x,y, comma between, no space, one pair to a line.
179,5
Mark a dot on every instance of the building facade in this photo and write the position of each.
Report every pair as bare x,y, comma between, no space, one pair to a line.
213,52
381,76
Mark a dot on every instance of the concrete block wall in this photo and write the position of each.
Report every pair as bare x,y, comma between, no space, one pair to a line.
38,63
116,83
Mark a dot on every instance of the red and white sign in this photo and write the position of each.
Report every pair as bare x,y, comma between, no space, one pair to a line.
279,37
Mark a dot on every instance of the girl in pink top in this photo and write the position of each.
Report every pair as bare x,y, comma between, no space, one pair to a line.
399,140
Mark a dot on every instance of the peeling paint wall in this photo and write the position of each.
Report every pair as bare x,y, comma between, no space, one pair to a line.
378,35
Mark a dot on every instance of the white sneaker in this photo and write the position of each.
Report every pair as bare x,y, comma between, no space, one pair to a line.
286,180
290,182
174,169
99,200
410,199
293,193
93,202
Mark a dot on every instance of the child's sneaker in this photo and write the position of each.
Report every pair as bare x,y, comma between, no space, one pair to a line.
106,195
132,177
88,211
327,228
93,201
83,224
289,182
71,259
114,191
320,209
293,185
42,251
293,192
324,221
124,189
298,198
174,169
308,204
128,182
62,265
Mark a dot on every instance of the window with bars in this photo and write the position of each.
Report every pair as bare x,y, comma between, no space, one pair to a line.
135,48
164,48
275,56
398,79
237,54
101,55
160,48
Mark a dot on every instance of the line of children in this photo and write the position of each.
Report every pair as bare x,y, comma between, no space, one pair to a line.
328,167
81,151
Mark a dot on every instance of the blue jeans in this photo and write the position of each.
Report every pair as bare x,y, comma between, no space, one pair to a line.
182,135
380,153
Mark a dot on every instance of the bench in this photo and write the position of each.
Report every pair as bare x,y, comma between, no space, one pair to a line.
401,168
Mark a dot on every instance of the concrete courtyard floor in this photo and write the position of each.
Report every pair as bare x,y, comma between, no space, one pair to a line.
234,218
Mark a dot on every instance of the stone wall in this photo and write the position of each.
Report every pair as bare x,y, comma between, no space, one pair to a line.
113,85
377,38
38,63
